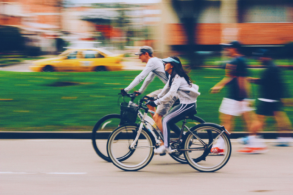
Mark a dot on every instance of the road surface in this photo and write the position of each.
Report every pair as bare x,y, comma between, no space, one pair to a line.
71,167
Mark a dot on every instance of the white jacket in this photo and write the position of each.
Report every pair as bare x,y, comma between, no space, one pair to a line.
186,93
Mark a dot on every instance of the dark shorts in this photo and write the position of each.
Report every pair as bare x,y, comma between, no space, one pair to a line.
268,108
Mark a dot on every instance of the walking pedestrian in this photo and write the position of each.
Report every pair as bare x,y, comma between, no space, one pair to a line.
236,102
272,97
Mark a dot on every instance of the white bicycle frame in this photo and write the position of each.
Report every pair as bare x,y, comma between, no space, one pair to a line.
149,124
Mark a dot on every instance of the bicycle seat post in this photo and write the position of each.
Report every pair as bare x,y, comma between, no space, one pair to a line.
182,128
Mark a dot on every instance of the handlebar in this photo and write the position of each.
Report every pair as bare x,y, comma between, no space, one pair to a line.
132,96
145,99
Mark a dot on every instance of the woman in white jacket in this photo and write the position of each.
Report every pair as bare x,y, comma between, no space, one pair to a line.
178,86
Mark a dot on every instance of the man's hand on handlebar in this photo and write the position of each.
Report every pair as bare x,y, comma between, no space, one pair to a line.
123,92
137,93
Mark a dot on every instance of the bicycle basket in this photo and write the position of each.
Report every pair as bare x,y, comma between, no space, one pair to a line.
128,113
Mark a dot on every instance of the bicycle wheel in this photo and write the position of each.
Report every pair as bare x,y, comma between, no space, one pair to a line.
100,131
119,143
201,158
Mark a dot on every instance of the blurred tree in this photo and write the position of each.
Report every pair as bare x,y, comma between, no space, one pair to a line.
122,21
11,39
188,12
68,3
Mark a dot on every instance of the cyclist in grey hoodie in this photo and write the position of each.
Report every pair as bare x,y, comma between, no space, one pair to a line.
178,86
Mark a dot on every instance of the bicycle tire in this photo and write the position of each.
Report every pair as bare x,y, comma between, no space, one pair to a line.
226,156
95,136
127,167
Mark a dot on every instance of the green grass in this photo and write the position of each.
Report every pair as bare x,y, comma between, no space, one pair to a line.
28,102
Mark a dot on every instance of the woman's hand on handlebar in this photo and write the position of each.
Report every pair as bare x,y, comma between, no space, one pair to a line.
151,103
150,98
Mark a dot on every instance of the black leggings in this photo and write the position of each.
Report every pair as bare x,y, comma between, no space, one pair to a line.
177,113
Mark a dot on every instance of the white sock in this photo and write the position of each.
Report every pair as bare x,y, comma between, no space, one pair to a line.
220,143
255,142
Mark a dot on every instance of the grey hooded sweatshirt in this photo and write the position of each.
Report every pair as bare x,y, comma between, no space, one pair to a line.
186,93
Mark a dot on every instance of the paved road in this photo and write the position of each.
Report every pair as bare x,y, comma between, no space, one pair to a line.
71,167
128,63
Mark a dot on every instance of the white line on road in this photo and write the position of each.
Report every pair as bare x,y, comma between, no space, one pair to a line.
49,173
67,173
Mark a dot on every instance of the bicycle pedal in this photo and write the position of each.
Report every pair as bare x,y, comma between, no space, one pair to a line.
163,154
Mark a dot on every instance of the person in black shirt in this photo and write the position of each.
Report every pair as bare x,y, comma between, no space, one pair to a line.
236,102
272,95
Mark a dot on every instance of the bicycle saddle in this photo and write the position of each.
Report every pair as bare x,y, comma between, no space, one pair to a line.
190,115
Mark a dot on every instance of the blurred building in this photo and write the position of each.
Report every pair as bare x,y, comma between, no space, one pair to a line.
116,25
31,15
253,22
72,23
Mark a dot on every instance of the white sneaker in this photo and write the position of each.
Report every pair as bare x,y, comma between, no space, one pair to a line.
284,141
163,150
160,150
169,150
256,145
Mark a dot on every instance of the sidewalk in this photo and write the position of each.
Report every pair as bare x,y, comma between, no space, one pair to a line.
88,135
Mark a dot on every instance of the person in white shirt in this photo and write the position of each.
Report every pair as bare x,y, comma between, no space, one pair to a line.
178,86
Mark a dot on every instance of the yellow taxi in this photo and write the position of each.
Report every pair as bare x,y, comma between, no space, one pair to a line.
80,60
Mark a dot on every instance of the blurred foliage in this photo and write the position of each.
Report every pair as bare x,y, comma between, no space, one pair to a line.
30,101
219,61
6,60
10,39
128,55
9,61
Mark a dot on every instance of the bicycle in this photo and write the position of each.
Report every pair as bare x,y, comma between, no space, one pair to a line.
110,122
195,144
